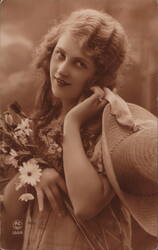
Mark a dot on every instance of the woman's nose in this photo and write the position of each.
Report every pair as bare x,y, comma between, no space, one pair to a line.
63,69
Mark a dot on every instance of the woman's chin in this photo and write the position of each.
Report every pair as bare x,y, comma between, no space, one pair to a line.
62,96
58,94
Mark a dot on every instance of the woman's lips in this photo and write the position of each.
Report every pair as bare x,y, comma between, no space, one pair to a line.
61,82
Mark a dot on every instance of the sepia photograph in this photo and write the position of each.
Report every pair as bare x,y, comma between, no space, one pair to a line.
78,125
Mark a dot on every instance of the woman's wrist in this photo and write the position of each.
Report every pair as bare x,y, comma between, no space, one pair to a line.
70,123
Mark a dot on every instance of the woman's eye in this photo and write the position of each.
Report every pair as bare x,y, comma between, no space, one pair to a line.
81,64
59,54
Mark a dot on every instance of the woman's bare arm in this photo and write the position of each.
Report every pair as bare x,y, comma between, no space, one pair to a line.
89,192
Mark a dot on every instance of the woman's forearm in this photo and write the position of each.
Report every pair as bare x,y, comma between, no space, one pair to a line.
87,190
12,205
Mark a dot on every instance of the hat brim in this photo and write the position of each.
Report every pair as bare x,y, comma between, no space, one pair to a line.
117,142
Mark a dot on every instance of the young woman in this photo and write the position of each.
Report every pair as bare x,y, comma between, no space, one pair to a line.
80,205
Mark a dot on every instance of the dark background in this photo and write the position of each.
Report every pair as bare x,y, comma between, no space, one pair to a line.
24,22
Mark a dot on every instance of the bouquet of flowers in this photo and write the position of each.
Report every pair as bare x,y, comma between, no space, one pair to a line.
19,150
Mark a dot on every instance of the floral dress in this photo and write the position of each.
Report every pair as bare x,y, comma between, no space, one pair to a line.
47,231
109,230
112,229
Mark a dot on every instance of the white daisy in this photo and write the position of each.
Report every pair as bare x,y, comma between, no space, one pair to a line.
33,161
26,197
13,153
8,118
24,127
3,146
30,173
12,160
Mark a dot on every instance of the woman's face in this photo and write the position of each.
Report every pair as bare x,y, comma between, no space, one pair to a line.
70,69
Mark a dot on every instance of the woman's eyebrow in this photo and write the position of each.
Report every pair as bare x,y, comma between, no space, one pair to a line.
82,58
61,49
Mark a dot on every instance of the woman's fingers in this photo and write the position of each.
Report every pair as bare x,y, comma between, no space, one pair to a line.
59,200
98,98
62,185
86,109
54,187
97,90
99,94
56,200
51,198
101,102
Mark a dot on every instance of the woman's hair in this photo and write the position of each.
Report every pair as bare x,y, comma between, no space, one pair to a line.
103,39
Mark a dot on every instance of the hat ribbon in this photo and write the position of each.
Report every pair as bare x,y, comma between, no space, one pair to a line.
120,110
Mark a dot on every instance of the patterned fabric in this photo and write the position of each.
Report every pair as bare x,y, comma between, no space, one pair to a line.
45,231
48,232
51,138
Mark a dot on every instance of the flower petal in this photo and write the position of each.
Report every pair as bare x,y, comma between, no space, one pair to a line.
26,197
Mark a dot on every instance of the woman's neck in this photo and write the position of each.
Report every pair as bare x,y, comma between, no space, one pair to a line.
66,107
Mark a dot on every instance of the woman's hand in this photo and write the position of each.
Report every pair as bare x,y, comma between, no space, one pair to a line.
52,185
88,108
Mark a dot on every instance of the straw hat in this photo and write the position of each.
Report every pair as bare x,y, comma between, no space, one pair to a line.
129,145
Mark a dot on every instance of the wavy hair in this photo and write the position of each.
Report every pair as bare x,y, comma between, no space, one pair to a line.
104,39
